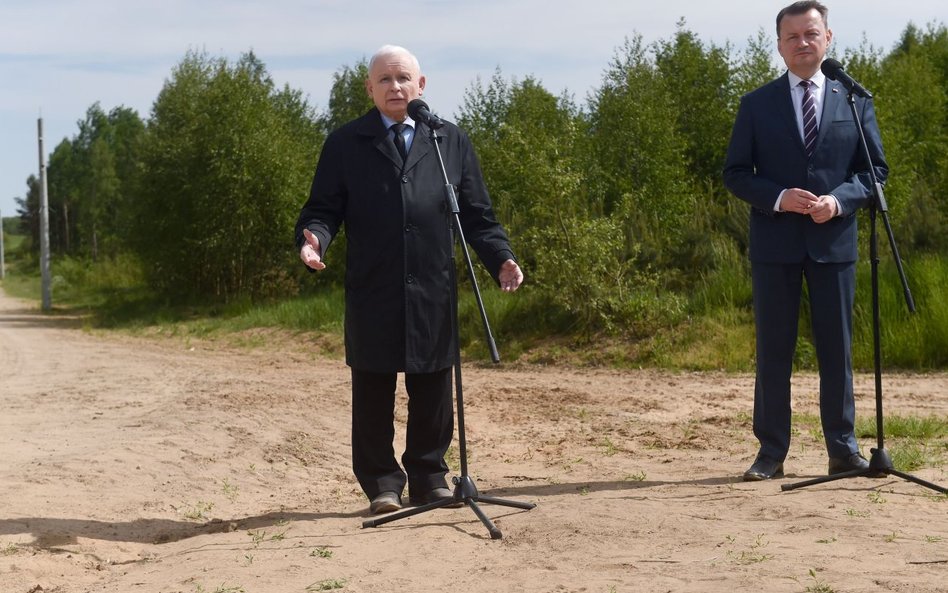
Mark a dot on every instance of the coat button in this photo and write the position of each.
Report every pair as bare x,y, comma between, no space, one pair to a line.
409,228
404,178
410,279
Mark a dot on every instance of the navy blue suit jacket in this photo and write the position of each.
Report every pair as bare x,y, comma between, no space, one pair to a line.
766,156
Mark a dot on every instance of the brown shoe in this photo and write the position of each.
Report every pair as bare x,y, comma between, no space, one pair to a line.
386,502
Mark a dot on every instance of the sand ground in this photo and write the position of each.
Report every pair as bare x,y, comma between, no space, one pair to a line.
159,464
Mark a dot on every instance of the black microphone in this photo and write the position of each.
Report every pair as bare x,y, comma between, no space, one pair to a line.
834,71
418,111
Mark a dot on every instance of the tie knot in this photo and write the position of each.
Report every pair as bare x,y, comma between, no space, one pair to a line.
806,84
398,128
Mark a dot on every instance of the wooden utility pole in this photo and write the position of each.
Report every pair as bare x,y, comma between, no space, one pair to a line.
44,224
2,261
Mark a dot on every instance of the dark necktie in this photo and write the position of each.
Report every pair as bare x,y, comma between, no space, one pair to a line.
808,107
400,140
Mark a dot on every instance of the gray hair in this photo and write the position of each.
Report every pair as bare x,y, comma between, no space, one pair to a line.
392,50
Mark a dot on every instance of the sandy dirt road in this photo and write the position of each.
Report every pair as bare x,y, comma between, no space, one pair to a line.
158,464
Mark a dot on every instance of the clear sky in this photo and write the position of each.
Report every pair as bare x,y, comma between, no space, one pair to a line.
57,57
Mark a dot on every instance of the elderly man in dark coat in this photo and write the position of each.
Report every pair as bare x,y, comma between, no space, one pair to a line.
379,175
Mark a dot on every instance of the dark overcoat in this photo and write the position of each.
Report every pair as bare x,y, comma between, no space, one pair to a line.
398,232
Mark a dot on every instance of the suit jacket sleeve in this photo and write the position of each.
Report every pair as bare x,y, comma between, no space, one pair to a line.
854,193
740,172
324,211
481,229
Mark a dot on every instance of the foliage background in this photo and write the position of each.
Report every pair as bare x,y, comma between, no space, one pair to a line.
634,251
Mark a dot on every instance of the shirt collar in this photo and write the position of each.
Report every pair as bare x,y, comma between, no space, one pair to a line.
389,122
818,79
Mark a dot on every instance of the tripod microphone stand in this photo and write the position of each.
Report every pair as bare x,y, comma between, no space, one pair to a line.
465,491
880,463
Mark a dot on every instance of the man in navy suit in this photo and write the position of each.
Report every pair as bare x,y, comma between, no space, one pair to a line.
379,175
795,157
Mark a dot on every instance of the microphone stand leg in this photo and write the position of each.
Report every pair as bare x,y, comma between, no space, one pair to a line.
494,532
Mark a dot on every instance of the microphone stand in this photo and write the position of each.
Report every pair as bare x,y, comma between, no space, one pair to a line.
465,491
880,464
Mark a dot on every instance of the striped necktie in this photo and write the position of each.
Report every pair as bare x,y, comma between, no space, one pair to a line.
808,108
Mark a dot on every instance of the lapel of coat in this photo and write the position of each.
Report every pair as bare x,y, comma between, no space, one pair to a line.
420,146
832,95
371,125
783,99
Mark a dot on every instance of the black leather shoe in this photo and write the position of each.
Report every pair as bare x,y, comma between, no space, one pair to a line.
433,495
764,468
838,465
386,502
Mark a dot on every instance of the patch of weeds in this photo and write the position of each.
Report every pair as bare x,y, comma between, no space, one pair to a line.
257,536
855,513
876,497
9,550
689,430
818,586
891,537
914,427
198,512
933,539
910,455
260,535
321,552
811,423
752,555
230,490
222,588
636,477
610,447
327,585
827,540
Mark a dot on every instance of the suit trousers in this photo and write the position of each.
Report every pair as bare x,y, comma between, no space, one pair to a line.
777,290
429,433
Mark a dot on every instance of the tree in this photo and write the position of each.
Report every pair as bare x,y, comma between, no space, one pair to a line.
227,164
697,81
348,98
640,153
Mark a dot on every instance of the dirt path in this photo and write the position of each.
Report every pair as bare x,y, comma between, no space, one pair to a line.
163,465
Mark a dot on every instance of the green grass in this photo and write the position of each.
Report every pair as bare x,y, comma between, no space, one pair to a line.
913,442
911,341
714,330
913,427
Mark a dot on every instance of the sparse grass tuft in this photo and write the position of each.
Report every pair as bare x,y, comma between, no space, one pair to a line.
198,511
327,585
818,586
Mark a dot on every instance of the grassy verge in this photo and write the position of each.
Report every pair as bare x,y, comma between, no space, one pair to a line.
715,329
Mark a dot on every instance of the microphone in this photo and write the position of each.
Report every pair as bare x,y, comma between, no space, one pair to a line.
418,111
834,71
